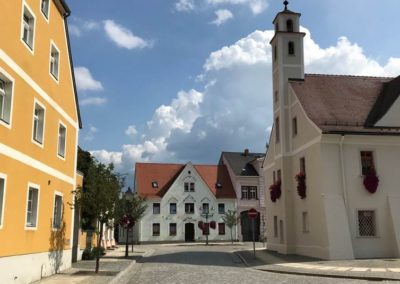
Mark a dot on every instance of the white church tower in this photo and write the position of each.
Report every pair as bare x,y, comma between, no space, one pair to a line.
288,63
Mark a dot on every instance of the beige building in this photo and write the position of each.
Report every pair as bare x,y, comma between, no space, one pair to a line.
332,165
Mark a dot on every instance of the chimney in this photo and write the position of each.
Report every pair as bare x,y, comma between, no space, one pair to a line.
246,152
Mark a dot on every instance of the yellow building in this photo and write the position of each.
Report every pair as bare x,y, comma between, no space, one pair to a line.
39,124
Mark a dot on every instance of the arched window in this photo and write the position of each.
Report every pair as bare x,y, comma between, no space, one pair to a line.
289,25
291,48
276,27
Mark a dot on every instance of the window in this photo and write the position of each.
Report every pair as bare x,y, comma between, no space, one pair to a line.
206,229
273,177
2,193
279,175
221,228
189,208
291,50
154,184
275,53
367,161
221,208
156,208
28,27
281,237
172,229
294,126
289,25
366,223
156,229
5,100
54,61
303,165
62,132
205,208
249,192
32,207
252,192
276,27
38,123
57,216
172,208
189,186
277,130
305,222
275,226
44,7
244,192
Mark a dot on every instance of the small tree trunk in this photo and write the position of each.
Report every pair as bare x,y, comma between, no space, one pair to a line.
231,235
132,237
98,248
126,241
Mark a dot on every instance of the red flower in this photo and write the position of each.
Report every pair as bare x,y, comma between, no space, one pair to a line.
275,191
213,225
201,225
371,181
301,184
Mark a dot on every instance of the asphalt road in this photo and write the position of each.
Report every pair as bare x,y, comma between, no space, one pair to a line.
206,264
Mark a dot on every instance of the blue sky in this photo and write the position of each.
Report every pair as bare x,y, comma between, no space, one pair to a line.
180,80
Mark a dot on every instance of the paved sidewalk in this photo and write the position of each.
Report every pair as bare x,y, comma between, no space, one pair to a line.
367,269
112,267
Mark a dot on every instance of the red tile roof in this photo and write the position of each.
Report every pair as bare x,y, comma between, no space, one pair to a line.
341,104
166,174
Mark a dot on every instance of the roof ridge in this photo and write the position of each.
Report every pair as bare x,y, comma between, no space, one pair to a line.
152,163
344,75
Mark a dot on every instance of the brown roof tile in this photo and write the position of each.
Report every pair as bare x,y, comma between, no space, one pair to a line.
339,103
166,174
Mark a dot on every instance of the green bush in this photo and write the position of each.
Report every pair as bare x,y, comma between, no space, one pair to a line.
90,253
102,251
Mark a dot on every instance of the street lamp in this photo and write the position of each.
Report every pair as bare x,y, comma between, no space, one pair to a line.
205,213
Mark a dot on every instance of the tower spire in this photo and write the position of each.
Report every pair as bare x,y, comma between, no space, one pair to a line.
286,3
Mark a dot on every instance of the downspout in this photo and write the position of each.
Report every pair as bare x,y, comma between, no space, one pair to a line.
343,173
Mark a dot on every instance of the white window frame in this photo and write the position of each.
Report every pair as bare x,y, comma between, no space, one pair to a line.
8,91
3,201
60,124
56,77
32,16
376,223
40,144
374,158
36,186
46,17
59,194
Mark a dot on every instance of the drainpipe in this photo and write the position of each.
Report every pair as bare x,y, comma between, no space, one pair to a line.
343,172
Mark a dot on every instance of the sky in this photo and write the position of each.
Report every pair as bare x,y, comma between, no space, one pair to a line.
174,81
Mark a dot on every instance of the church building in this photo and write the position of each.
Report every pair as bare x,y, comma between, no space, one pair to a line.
332,166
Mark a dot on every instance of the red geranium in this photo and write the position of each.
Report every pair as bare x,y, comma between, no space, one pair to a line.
301,184
275,191
371,181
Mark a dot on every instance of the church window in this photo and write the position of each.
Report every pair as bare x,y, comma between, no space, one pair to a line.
291,48
367,161
289,25
366,223
277,130
276,27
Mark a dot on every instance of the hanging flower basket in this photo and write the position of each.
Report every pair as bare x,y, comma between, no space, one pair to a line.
371,181
275,191
201,225
213,225
301,184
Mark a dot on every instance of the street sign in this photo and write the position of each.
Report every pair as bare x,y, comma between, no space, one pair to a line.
252,213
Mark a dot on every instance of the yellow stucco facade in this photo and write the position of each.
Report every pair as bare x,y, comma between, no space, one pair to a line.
39,124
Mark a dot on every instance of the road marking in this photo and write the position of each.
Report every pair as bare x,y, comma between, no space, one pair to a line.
378,269
394,269
360,269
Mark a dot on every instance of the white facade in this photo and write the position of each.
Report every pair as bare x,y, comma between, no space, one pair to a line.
326,223
176,194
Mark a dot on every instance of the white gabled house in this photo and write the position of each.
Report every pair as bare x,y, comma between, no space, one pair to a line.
343,134
178,197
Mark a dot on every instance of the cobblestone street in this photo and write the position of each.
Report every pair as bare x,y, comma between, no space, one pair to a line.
207,264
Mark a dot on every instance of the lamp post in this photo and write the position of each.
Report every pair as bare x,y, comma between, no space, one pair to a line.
205,213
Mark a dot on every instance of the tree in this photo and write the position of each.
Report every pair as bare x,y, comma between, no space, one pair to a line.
130,209
230,220
99,196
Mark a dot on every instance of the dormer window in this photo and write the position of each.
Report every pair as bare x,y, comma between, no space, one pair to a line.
289,25
154,184
291,48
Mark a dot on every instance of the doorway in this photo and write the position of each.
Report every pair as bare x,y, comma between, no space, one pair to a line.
189,232
247,227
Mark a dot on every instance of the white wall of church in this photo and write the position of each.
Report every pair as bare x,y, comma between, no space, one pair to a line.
176,194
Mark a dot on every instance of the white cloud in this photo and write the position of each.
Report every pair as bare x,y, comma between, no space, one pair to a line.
107,157
131,131
79,26
256,6
184,5
233,111
97,101
223,15
123,37
85,81
89,134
